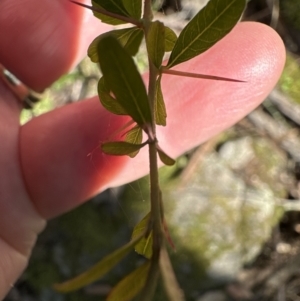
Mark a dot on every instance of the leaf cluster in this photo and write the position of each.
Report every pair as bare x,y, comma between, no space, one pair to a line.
122,91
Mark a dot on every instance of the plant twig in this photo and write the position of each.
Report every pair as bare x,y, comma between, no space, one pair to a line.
199,75
149,288
147,10
156,214
172,287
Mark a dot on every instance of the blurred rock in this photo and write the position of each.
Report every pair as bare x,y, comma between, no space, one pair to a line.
213,296
223,214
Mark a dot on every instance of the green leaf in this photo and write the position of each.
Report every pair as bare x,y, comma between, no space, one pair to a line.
108,101
120,148
98,270
129,38
164,158
144,246
113,6
123,79
209,26
160,112
155,41
133,7
108,20
92,51
135,136
127,8
104,18
170,39
131,285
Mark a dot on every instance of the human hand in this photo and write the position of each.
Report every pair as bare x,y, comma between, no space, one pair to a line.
45,169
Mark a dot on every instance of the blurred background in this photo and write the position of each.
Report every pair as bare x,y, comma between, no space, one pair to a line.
237,240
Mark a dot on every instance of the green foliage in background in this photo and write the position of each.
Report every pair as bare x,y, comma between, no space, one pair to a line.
289,80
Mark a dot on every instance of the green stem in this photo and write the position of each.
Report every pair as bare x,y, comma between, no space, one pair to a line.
156,214
147,10
151,282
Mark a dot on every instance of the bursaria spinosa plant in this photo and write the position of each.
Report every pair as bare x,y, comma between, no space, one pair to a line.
122,92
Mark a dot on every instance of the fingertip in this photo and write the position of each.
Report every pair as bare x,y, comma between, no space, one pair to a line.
46,38
252,52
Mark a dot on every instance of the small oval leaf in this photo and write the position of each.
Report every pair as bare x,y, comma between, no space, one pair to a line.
98,270
108,20
209,26
92,50
108,101
125,82
131,285
113,6
144,246
133,7
141,226
160,112
155,41
135,136
170,39
120,148
104,18
164,158
129,38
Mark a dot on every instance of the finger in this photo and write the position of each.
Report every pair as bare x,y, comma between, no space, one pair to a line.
60,175
54,37
19,222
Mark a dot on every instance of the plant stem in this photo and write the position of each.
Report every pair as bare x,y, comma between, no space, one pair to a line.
172,287
147,10
151,282
156,214
198,75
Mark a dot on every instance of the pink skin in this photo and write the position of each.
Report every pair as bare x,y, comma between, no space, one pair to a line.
45,165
